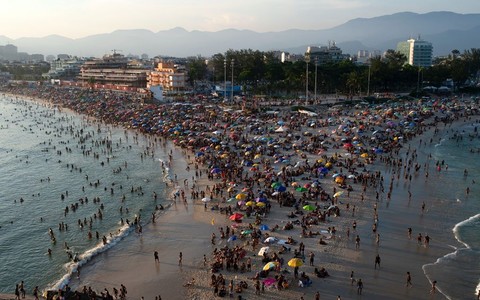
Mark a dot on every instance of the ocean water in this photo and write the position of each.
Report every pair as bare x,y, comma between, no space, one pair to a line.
457,272
50,160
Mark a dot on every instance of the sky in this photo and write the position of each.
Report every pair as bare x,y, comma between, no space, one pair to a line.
80,18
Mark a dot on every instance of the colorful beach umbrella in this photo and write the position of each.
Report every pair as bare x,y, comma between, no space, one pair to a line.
241,196
295,262
236,217
338,194
270,265
301,189
264,227
309,207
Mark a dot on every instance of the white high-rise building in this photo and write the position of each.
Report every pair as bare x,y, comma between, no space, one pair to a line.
418,52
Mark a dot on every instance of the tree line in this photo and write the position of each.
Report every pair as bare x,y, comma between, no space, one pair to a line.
263,73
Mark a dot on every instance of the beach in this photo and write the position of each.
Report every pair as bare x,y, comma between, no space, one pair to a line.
295,172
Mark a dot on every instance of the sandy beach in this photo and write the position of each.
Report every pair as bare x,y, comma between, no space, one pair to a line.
376,200
189,227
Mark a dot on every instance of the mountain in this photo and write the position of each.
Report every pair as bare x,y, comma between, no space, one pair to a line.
445,30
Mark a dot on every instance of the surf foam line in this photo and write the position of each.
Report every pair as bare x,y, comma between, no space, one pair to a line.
167,177
82,259
453,254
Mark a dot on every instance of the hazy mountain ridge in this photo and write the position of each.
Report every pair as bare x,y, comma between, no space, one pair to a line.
446,30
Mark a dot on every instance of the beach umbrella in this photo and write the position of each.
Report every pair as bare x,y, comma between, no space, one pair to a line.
295,184
236,217
261,199
231,199
338,194
263,250
241,202
281,188
260,204
270,265
215,171
275,193
364,155
295,262
198,154
336,175
248,231
275,185
206,199
250,203
232,238
339,179
257,156
241,196
309,207
264,227
301,189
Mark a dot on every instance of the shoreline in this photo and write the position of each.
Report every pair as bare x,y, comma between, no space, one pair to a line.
340,246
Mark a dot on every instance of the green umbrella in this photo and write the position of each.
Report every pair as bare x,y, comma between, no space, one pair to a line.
275,184
301,189
309,207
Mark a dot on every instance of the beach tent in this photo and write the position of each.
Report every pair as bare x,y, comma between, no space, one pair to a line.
263,250
270,239
281,129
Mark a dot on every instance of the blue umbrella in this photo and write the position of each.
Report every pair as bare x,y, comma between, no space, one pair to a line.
264,227
232,238
281,188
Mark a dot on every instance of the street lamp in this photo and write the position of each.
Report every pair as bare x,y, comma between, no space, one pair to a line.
368,84
316,65
418,80
225,78
307,60
233,62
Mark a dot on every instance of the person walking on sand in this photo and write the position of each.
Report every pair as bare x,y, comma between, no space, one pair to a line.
180,257
17,292
352,278
317,295
312,258
377,261
35,292
357,242
155,256
408,280
359,286
22,289
434,287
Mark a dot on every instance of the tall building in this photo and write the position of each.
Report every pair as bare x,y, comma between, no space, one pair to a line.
112,71
326,54
167,75
418,52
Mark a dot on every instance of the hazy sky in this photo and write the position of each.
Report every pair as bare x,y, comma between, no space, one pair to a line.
79,18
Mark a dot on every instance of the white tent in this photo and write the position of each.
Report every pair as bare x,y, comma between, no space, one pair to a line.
281,129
